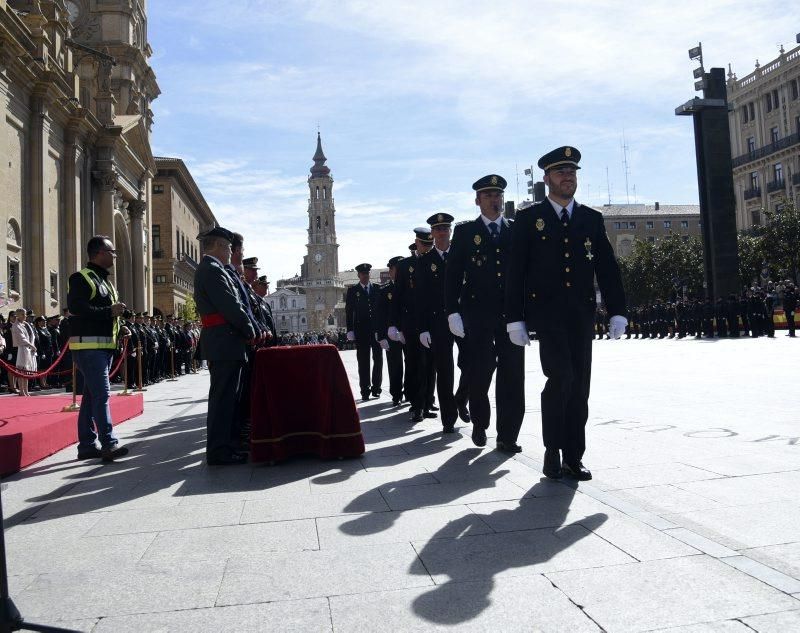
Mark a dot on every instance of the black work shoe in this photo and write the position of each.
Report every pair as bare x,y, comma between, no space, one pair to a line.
433,407
552,463
430,414
416,416
365,396
478,436
576,470
508,447
396,402
90,453
110,453
449,428
376,394
463,413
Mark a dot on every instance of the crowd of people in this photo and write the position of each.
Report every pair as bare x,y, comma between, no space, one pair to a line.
751,313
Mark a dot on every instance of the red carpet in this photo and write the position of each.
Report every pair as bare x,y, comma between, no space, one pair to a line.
33,428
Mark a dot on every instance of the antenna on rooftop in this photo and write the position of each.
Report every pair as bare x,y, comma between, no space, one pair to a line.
608,187
625,165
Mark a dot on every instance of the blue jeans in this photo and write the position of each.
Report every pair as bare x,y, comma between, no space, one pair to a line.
95,411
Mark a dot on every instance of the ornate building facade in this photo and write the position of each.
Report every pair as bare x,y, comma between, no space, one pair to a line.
765,136
180,214
75,91
319,273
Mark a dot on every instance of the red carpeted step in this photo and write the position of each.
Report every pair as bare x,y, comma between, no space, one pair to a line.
35,427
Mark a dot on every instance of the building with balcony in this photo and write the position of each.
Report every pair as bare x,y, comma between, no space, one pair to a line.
180,214
765,136
626,223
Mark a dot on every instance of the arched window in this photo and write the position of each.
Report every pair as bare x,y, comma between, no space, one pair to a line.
318,222
13,238
294,303
324,193
317,193
283,303
14,245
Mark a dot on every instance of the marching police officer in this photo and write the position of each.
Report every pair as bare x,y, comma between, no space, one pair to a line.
474,292
559,246
362,325
394,349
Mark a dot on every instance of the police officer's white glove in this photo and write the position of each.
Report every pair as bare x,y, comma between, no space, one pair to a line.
616,326
384,344
456,324
401,338
518,333
425,339
394,334
351,336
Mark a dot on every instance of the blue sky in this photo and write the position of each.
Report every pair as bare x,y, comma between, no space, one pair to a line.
417,99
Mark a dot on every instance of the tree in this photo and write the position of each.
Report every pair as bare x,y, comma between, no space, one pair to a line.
751,256
781,240
188,311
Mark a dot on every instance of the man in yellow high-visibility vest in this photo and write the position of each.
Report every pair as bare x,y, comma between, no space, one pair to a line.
94,326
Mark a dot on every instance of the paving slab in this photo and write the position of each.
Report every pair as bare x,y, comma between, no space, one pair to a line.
784,558
438,494
649,475
675,592
666,499
300,616
775,622
523,603
268,578
174,518
312,506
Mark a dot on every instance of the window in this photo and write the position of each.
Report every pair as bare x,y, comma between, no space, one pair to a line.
794,87
156,237
797,124
616,226
161,279
294,303
775,100
751,144
773,135
624,225
777,171
649,224
768,102
177,242
667,224
755,214
753,180
684,224
13,274
53,284
651,239
158,189
745,118
632,225
752,108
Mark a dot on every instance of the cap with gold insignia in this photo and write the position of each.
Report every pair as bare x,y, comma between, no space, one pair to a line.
412,247
489,183
562,156
393,261
423,234
440,219
250,262
363,268
262,280
217,231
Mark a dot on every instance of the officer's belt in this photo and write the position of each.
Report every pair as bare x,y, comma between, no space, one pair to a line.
211,320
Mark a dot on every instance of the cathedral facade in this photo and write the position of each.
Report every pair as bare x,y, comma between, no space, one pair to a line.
75,92
319,273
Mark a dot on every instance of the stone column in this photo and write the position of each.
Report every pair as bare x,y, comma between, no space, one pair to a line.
70,255
104,209
34,279
136,209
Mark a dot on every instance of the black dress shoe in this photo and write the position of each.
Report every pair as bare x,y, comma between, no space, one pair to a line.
508,447
416,416
576,470
233,459
433,407
110,453
365,396
463,413
552,463
396,402
449,428
430,414
90,453
376,394
478,436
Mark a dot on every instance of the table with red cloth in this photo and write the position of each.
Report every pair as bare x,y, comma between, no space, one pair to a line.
301,403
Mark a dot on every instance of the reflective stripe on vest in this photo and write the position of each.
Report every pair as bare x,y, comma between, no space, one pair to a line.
97,342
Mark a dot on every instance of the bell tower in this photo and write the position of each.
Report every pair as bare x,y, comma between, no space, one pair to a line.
320,269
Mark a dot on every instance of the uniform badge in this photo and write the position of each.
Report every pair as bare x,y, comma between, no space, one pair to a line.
440,218
411,269
588,245
568,152
433,268
494,180
389,296
540,224
477,240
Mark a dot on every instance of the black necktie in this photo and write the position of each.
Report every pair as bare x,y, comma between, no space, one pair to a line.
444,255
494,231
565,217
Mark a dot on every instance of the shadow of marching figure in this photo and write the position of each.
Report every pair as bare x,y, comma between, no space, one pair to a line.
425,492
471,560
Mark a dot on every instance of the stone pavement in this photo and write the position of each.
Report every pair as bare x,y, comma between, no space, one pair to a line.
692,523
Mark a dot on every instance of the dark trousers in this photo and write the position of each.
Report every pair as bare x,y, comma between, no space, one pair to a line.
489,349
242,419
223,398
415,374
769,323
363,349
430,377
566,357
442,355
394,363
790,322
462,391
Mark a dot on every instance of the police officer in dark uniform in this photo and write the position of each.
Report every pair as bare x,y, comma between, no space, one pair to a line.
790,305
403,327
559,247
393,349
261,287
474,297
362,325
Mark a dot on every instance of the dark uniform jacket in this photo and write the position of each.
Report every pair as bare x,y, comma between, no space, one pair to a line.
214,293
361,312
551,271
431,281
382,308
476,273
403,308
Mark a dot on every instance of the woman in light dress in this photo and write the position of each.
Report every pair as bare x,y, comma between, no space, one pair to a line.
24,338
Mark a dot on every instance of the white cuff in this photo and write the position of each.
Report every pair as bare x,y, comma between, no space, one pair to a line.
516,325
